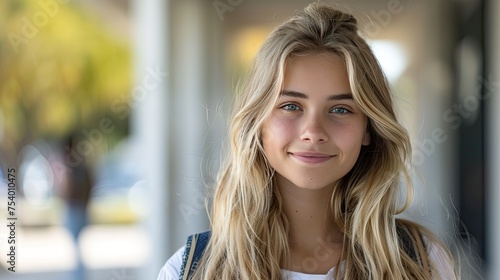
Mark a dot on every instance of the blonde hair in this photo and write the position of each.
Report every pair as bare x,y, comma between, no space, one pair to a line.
249,229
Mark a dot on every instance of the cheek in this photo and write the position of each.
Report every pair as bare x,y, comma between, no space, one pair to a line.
276,133
276,128
350,138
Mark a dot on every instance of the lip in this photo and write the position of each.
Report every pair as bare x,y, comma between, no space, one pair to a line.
311,157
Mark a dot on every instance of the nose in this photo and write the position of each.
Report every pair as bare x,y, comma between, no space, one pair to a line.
314,130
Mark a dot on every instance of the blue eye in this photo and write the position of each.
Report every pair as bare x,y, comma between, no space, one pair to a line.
290,107
340,110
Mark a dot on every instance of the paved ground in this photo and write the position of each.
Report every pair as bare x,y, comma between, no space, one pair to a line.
108,253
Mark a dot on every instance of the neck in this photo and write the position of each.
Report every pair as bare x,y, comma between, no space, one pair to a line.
311,225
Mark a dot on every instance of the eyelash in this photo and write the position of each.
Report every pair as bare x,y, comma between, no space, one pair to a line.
286,107
346,111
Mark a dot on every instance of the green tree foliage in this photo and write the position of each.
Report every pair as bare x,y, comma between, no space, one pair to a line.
60,69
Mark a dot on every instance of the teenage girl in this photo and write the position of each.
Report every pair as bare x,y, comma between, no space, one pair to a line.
311,184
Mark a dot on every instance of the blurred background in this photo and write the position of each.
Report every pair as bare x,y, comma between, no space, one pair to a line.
113,114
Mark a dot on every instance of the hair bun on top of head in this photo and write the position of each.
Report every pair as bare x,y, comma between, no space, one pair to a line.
328,18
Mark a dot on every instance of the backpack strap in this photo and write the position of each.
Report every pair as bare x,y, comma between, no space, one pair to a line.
195,246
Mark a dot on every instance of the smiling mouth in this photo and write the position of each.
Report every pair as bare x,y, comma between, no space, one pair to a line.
312,157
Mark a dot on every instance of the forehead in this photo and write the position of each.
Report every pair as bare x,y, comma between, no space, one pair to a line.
317,72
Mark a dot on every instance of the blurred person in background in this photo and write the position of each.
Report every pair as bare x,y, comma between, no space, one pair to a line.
76,193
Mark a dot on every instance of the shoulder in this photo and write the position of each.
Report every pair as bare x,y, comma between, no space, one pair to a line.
171,269
195,245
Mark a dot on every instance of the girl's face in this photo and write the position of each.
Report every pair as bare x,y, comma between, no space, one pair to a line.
315,132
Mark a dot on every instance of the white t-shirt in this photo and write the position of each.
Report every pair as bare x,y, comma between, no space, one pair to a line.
171,269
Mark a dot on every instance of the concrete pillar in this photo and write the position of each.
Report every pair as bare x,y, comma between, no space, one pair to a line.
150,120
197,85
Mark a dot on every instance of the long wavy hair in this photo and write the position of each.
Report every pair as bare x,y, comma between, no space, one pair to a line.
249,229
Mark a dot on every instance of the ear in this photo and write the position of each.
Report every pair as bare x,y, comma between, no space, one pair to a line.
366,137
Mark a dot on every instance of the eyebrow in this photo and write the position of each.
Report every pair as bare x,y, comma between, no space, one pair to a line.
296,94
